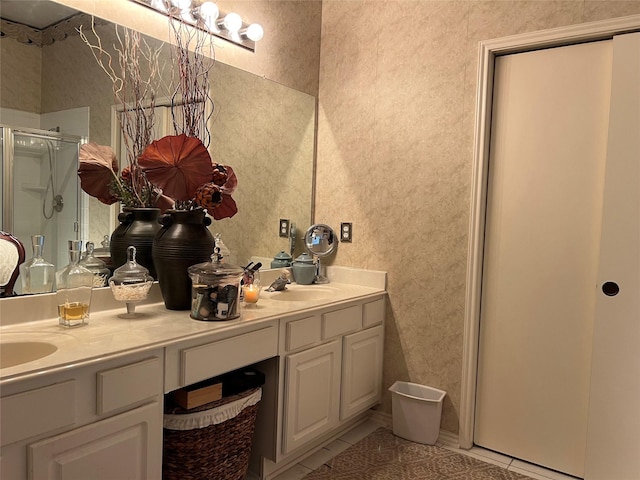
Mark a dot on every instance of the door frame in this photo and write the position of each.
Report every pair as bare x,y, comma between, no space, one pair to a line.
488,51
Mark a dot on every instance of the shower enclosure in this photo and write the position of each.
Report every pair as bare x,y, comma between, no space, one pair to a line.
40,191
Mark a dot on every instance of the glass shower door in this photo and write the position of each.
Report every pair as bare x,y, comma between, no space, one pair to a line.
41,193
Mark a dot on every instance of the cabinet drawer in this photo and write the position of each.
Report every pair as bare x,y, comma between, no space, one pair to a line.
123,386
303,333
373,313
206,361
339,322
37,411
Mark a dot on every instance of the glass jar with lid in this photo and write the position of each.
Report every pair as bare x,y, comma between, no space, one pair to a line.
131,282
215,290
96,266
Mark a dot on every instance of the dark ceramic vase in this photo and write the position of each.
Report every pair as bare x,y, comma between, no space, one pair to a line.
183,240
138,227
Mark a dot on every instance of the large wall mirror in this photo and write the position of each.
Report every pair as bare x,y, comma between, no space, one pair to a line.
264,130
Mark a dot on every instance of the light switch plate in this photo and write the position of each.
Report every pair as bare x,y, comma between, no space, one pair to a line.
346,232
283,228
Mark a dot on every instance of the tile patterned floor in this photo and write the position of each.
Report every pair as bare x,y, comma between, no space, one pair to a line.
385,456
299,471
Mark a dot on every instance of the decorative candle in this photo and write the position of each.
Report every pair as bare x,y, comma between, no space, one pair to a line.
251,293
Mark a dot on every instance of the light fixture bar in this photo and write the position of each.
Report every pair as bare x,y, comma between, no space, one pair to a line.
205,16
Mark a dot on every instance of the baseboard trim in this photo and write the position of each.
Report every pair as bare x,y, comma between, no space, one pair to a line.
448,439
384,419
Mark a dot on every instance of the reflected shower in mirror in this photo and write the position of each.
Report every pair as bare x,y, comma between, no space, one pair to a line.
42,195
264,130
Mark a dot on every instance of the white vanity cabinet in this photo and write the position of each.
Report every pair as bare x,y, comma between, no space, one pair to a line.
361,371
96,412
312,394
125,447
332,369
102,421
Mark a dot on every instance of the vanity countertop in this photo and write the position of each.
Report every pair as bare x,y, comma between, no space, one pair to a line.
110,334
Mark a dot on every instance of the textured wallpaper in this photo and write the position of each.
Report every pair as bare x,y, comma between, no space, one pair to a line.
20,76
266,133
395,141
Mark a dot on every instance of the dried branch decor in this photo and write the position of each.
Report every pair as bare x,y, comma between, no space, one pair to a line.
136,77
193,57
175,171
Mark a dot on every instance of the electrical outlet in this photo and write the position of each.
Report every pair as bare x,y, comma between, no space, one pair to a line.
283,228
346,232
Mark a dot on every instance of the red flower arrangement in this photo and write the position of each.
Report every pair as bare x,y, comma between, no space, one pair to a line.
175,171
181,166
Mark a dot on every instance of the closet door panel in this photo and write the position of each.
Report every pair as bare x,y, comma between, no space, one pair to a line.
544,208
613,447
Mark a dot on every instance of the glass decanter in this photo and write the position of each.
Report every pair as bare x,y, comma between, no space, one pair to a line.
37,274
74,285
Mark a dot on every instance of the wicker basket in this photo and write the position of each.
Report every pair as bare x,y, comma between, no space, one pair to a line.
219,451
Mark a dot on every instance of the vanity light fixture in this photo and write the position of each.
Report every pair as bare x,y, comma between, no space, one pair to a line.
207,16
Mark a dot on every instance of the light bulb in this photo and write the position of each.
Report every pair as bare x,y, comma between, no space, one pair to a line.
209,10
253,32
209,13
233,22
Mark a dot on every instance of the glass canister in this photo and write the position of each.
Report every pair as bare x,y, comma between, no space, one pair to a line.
74,284
96,266
131,282
103,253
215,290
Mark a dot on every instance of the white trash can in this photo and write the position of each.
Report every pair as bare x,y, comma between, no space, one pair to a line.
416,411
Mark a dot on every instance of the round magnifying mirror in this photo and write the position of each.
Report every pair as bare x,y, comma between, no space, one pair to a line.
320,241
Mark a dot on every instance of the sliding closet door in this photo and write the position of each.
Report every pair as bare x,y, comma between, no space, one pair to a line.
613,447
544,210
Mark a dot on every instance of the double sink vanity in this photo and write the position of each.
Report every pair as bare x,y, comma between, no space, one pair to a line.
88,402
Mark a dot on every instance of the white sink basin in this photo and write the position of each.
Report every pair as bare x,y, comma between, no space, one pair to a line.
303,293
18,352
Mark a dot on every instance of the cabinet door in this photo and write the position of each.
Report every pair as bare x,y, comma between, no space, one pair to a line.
312,394
361,371
127,447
